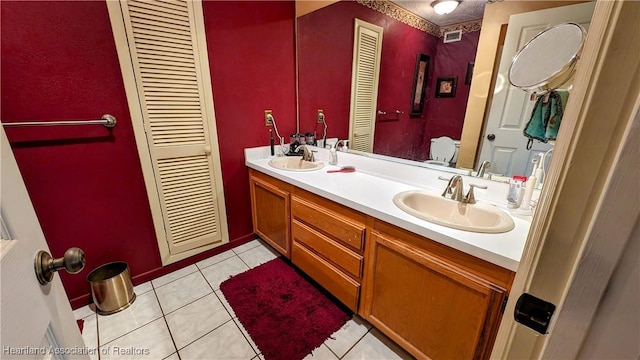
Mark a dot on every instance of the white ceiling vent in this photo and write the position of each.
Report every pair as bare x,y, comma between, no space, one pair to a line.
452,36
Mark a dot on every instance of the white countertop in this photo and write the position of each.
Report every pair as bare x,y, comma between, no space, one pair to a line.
372,187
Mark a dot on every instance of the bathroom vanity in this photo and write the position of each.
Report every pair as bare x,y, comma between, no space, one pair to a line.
438,292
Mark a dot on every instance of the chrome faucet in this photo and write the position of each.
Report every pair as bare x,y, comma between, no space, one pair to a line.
455,188
307,155
483,167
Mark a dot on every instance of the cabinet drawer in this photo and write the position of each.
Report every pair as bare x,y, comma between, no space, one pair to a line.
335,253
336,225
341,286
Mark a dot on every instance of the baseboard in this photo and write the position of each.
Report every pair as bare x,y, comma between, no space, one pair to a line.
85,299
80,301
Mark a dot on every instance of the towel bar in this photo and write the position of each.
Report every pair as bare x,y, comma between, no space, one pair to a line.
107,120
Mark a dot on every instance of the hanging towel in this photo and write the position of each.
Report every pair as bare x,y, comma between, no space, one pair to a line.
545,117
558,101
535,128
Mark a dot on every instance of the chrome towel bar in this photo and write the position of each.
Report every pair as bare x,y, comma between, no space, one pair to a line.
397,112
107,120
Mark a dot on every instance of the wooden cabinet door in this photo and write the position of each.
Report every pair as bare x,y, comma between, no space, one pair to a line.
270,210
432,308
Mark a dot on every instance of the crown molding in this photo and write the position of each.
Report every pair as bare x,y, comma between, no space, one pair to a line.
466,27
403,15
407,17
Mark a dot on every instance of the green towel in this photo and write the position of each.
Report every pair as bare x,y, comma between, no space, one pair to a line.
545,117
557,104
535,128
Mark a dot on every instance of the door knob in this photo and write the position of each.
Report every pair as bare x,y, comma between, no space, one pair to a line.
491,137
207,150
45,266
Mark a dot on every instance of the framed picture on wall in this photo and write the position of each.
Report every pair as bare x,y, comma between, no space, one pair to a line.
419,85
446,87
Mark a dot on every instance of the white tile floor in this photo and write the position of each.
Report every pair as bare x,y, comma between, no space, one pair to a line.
184,315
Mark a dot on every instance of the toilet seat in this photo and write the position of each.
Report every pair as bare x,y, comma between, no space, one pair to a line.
443,150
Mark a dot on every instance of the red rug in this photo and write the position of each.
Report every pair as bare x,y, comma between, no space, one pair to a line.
285,315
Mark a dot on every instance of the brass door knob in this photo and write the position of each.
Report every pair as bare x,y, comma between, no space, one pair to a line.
45,266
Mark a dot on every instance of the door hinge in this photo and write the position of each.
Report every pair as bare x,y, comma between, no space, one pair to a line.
534,313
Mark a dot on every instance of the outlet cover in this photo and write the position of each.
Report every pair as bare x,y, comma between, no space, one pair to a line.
267,120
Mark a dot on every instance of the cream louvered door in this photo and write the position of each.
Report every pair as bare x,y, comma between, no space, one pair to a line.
367,48
168,65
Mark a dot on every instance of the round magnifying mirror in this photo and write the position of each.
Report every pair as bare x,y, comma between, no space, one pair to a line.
548,60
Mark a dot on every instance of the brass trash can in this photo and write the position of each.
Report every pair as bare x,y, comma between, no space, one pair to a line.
111,287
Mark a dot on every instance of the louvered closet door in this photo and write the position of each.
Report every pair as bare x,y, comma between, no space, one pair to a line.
163,46
367,48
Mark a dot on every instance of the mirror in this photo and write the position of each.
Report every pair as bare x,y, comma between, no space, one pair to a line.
561,45
325,51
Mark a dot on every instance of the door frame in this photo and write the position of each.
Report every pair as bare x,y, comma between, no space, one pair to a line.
590,177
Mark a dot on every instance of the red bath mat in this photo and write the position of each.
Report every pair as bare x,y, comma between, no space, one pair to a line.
285,315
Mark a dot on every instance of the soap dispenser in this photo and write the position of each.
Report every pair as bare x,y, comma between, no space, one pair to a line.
345,146
333,155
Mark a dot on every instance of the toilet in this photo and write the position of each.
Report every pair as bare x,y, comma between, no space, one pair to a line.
444,150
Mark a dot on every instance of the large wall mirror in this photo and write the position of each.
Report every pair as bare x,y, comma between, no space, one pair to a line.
467,96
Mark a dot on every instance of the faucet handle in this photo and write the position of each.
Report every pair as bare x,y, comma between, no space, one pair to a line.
470,198
447,190
483,187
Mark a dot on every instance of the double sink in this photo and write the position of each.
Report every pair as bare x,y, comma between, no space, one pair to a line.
428,205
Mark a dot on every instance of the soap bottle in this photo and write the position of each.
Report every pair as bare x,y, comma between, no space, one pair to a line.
345,146
514,197
333,156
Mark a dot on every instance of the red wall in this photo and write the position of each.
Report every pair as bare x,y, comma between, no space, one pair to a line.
59,61
398,135
445,116
324,68
252,62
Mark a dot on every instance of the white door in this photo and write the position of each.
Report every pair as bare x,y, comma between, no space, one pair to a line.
164,60
511,107
36,322
365,74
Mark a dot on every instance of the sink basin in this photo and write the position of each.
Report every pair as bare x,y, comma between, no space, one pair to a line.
478,217
295,163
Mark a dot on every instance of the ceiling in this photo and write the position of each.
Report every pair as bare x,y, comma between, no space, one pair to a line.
467,10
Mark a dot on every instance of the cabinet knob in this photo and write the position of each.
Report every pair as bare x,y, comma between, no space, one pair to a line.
207,150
